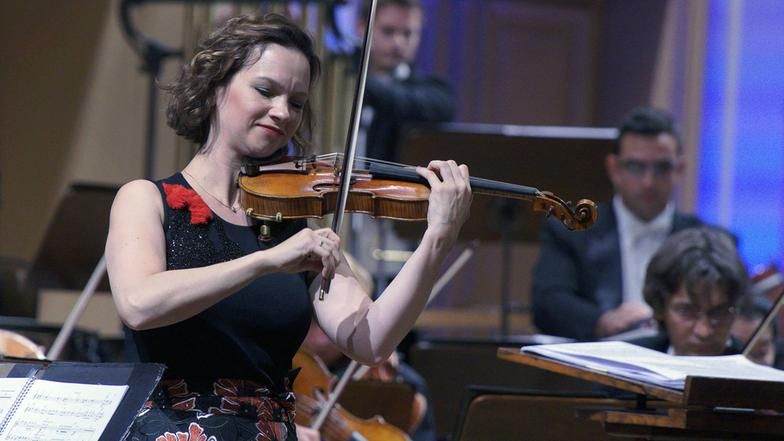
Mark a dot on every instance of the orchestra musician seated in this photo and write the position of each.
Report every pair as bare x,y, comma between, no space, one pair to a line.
588,285
693,283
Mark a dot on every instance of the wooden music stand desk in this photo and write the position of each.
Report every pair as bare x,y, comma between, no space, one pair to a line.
707,408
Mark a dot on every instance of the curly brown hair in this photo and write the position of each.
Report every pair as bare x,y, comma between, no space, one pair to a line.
193,95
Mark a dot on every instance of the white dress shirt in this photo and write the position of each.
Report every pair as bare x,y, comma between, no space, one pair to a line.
639,240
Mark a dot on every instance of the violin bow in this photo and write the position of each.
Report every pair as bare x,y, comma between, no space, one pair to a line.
342,197
351,141
763,324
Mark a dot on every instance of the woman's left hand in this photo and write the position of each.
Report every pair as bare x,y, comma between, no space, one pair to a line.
450,197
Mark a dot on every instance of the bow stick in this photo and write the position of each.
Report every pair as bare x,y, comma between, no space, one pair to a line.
342,197
351,141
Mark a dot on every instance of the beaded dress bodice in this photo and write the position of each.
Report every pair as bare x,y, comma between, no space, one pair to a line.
252,334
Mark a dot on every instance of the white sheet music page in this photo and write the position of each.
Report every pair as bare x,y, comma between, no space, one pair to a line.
56,411
638,363
9,390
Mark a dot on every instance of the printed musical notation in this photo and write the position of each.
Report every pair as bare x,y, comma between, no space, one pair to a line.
56,411
9,391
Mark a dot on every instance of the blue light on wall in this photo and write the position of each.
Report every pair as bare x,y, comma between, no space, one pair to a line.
741,161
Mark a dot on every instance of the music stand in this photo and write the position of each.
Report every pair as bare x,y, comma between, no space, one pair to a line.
568,161
73,243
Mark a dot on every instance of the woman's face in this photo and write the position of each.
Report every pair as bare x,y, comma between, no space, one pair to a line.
262,106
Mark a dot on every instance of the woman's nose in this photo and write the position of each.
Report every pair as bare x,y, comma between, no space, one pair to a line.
279,110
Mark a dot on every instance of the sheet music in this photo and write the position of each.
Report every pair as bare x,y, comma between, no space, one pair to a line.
9,390
638,363
56,411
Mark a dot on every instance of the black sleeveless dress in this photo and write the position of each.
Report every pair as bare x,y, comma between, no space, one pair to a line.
228,367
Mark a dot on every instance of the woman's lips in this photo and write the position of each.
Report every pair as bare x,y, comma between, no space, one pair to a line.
272,129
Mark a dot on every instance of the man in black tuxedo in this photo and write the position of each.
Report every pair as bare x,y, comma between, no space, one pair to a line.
588,285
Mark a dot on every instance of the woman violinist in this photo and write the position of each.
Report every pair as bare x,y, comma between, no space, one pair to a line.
224,311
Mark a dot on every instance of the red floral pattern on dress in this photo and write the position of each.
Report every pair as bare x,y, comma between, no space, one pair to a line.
181,398
269,429
177,388
274,417
179,197
195,433
184,405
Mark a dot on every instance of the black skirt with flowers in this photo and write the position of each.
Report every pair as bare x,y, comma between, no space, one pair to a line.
234,410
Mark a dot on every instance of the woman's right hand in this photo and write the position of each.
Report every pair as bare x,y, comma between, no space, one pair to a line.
309,250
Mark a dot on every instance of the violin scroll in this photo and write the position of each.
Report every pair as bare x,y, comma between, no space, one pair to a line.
578,218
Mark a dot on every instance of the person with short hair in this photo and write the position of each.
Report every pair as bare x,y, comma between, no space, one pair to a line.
693,284
588,285
395,92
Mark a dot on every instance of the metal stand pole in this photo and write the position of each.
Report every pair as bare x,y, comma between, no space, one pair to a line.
70,323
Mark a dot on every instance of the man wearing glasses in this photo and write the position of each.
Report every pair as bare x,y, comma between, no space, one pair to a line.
588,285
693,284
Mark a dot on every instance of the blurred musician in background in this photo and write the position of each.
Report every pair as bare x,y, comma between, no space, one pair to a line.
693,284
422,426
395,94
588,285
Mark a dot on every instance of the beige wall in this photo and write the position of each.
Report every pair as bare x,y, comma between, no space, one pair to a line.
72,107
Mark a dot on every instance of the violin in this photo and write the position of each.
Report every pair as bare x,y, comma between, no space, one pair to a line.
312,386
309,188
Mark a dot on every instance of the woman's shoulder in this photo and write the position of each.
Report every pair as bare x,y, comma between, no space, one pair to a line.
139,194
146,189
138,188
